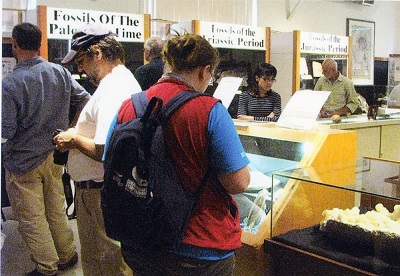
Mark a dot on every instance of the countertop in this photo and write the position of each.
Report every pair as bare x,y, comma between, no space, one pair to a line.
391,117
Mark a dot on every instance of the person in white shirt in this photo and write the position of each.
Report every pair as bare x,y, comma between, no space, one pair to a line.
100,56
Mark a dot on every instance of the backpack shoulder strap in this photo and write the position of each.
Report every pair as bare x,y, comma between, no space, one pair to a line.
177,102
168,110
140,102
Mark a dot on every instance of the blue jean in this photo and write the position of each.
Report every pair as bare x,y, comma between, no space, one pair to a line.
161,262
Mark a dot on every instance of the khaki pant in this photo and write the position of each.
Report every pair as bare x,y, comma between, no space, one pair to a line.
101,256
38,202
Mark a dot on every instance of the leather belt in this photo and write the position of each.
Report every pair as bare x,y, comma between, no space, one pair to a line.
89,184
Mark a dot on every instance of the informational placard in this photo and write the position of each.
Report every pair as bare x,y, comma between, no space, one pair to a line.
223,35
226,90
63,23
319,43
302,110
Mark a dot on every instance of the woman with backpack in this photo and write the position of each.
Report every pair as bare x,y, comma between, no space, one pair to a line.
200,137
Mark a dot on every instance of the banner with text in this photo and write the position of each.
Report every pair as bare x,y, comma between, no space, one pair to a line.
63,23
323,43
223,35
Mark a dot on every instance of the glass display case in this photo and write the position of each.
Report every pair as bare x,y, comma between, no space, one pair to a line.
266,155
271,149
348,228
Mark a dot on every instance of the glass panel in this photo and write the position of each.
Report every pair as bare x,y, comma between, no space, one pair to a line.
266,156
376,177
354,221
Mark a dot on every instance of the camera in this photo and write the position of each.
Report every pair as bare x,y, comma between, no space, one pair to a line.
59,158
55,133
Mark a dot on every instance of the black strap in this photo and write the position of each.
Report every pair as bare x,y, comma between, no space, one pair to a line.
167,110
152,110
202,185
176,102
69,195
141,103
144,110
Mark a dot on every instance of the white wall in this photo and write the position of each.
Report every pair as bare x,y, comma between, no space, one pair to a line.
123,6
322,16
330,17
229,11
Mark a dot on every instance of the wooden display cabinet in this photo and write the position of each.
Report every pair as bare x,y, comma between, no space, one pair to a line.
271,149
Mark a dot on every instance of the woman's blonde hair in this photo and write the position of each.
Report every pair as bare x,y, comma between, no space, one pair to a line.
188,52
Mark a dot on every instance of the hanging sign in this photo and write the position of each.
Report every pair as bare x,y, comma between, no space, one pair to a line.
63,23
222,35
323,43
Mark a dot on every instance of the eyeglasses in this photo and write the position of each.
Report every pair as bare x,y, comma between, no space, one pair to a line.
268,79
79,59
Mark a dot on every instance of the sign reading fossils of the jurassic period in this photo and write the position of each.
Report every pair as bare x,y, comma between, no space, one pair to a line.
323,43
63,23
222,35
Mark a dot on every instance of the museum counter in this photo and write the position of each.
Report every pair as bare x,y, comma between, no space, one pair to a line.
298,174
271,149
375,138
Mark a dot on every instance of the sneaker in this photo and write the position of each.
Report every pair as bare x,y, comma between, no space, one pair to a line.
36,273
70,263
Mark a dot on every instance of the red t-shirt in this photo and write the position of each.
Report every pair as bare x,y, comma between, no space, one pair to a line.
213,225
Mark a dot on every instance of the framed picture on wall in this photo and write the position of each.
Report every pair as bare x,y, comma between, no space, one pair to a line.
363,50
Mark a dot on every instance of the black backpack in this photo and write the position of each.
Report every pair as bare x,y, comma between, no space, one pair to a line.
143,201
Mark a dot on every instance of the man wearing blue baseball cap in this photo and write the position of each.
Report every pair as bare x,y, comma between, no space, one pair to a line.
100,57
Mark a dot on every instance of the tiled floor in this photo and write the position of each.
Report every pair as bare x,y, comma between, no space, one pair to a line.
15,259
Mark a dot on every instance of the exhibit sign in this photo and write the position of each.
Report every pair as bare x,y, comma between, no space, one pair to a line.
223,35
63,23
319,43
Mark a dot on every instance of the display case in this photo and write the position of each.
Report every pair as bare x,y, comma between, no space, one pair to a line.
271,149
317,239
